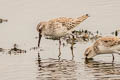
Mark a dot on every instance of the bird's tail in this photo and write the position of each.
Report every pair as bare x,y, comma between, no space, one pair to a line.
78,20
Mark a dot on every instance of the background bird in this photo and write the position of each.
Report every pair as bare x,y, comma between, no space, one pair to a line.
104,45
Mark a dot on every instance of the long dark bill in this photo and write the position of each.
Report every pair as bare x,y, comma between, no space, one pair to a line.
40,35
86,60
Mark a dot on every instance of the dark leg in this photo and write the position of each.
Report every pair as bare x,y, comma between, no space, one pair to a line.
59,48
72,47
113,58
72,50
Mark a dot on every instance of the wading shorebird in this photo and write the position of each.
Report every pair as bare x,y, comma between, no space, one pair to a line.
3,20
104,45
59,27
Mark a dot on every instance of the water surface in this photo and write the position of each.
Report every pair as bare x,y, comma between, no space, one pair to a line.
43,63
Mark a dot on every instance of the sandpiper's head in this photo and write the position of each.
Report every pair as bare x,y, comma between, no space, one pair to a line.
41,26
89,53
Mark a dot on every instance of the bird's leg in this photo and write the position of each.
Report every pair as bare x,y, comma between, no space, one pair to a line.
72,46
59,48
113,57
72,50
39,38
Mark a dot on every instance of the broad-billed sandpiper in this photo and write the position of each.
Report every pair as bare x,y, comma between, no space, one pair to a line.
59,27
104,45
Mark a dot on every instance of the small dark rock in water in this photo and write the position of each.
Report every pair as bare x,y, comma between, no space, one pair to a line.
16,50
116,33
86,31
1,49
35,48
3,20
97,31
51,37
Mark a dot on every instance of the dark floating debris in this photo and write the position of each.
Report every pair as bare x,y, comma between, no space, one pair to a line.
83,36
116,32
3,20
51,37
1,50
16,50
35,48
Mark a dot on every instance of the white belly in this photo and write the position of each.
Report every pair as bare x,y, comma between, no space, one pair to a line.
58,32
109,50
117,47
105,50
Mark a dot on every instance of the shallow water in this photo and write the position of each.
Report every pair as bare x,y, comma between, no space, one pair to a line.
43,63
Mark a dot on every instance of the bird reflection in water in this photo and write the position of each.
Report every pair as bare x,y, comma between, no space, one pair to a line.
103,70
56,69
39,60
